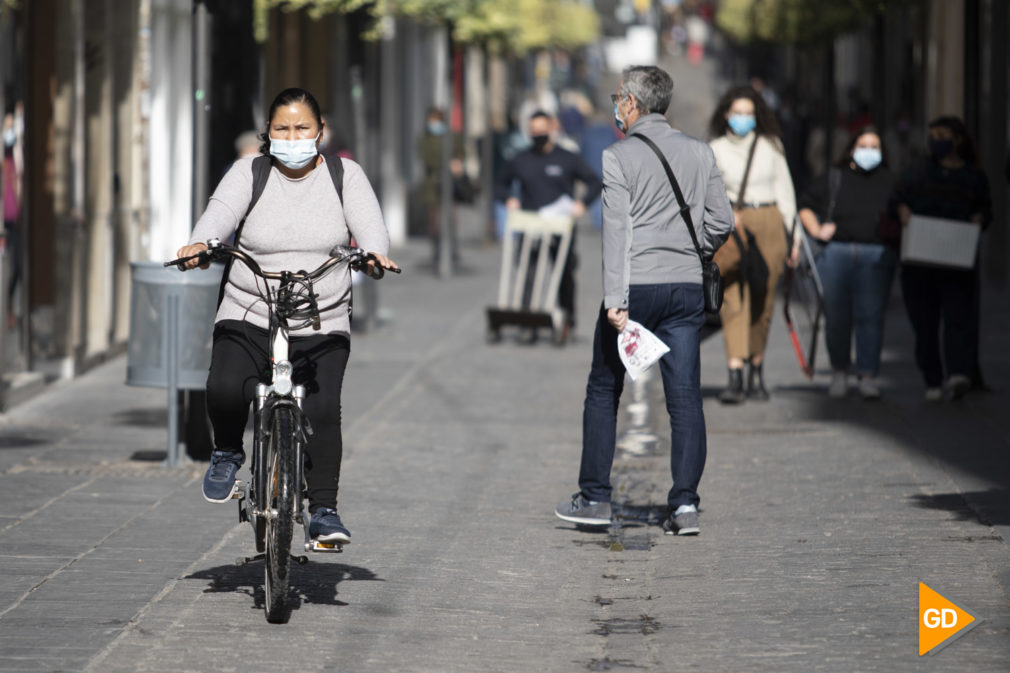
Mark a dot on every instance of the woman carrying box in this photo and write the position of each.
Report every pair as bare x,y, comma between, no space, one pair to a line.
947,184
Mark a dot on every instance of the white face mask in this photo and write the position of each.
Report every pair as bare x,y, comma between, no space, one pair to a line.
10,137
294,154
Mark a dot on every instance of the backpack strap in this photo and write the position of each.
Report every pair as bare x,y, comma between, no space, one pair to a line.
337,175
261,173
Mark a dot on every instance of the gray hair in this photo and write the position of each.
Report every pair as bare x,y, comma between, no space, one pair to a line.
652,88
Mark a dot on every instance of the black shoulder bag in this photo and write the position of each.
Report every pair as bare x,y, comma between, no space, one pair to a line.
712,282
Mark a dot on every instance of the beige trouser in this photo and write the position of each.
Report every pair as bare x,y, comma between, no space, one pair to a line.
744,326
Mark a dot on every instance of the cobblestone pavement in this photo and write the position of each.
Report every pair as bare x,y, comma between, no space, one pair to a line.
819,519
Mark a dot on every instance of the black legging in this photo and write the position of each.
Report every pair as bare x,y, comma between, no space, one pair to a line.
239,360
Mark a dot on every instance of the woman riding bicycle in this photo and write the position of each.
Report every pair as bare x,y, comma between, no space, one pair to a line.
295,224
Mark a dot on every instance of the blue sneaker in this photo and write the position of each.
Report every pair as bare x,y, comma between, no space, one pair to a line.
326,527
219,482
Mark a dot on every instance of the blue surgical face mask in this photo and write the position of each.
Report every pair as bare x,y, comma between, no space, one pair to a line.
294,154
617,118
867,158
742,124
436,128
10,137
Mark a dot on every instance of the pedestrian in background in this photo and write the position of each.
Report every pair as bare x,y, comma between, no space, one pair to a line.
429,149
946,184
10,184
842,209
652,274
546,174
748,149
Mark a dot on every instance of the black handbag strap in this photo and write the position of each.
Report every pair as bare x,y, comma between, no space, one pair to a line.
685,211
834,184
746,173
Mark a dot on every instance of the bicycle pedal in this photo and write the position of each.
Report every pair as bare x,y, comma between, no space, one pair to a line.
238,490
331,547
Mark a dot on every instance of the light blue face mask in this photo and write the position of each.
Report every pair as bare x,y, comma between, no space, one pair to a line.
10,137
618,120
742,124
294,154
867,158
436,128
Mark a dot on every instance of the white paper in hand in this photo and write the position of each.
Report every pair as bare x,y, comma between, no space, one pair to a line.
639,349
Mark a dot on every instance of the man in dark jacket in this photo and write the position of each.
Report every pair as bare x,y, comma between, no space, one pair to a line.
651,272
546,173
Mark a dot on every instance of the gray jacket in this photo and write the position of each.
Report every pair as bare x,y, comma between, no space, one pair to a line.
645,240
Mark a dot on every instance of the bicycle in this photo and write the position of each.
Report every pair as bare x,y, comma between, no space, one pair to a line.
273,501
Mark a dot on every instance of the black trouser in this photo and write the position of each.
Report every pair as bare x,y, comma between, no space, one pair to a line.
239,361
947,295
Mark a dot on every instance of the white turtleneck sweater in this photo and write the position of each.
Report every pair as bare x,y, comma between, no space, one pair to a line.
769,179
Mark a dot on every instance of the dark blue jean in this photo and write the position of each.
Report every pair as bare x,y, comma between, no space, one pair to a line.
674,312
857,283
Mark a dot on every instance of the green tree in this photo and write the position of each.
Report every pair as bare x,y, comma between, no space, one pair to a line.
797,21
512,25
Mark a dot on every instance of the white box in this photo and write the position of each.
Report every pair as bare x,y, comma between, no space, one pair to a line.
934,241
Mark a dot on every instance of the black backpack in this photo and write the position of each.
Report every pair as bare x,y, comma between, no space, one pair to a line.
261,173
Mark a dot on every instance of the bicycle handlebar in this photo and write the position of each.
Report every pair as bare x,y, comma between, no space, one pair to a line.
355,257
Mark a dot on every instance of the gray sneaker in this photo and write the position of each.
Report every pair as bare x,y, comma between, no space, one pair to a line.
219,481
584,512
685,523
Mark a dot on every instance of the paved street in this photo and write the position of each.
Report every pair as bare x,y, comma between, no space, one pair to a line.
819,519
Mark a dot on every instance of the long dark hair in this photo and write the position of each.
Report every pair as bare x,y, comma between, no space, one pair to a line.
289,97
845,157
963,143
767,125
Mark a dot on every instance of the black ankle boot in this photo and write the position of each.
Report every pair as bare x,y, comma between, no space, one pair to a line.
733,394
756,384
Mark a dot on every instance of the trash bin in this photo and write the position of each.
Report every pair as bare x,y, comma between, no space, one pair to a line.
171,334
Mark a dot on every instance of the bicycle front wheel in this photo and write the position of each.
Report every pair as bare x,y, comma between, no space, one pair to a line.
280,520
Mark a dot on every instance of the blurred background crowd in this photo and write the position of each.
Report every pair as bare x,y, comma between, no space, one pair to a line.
121,116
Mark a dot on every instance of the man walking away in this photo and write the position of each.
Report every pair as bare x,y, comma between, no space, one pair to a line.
652,274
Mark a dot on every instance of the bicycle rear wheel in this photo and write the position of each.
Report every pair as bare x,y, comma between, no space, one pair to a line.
280,522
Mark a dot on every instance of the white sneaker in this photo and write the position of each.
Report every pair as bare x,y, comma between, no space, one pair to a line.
839,384
868,388
957,386
934,394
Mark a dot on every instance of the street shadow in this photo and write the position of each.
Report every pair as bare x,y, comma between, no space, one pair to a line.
19,441
314,583
642,515
150,417
986,507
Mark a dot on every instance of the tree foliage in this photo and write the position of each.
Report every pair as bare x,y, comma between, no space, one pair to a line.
510,25
797,21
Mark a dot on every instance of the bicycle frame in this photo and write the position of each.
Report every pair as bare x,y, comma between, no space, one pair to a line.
279,391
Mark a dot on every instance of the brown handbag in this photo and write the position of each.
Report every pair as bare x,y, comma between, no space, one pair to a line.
730,254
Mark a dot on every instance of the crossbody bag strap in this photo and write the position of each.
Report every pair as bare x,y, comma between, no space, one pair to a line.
834,184
685,212
746,173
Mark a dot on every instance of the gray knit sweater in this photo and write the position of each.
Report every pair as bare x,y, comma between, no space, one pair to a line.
293,227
